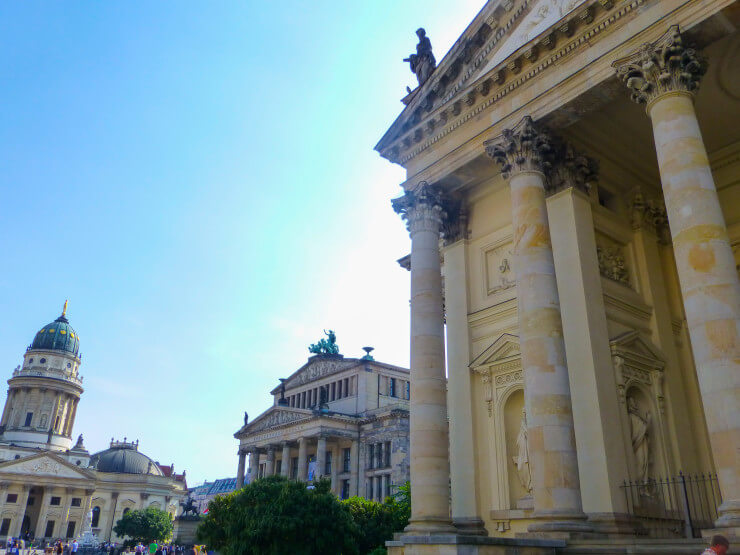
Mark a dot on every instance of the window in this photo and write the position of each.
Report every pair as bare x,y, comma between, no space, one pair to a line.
127,509
370,489
96,517
387,454
76,501
392,391
346,459
43,361
339,389
55,501
12,498
345,489
379,453
29,417
278,467
387,486
49,529
71,529
408,390
5,526
30,361
371,457
327,464
30,501
334,391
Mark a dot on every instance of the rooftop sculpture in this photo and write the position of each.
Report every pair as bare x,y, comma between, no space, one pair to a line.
422,63
326,346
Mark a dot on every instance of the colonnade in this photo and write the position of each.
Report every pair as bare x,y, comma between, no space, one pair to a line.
663,75
343,453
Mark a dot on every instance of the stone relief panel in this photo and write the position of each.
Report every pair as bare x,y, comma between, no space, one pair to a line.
613,260
276,418
318,369
499,268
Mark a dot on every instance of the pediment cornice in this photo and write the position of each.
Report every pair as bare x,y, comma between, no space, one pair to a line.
274,417
45,465
442,104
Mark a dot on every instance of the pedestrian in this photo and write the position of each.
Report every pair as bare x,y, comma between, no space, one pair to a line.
153,547
73,548
719,546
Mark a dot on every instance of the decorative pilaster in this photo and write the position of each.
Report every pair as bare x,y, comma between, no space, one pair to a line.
664,75
524,154
240,469
422,208
354,468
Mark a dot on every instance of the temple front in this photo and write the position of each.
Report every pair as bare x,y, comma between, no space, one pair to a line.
573,204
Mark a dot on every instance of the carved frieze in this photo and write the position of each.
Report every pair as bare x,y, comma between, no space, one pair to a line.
276,417
612,264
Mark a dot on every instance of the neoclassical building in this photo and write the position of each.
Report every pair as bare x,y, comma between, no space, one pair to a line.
337,417
49,484
573,203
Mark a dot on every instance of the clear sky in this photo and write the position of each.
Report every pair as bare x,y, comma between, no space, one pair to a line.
198,178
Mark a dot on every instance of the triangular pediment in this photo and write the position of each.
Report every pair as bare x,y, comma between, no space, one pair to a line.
317,367
275,417
45,464
634,346
504,37
504,349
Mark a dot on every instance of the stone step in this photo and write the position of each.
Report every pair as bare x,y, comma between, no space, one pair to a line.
639,547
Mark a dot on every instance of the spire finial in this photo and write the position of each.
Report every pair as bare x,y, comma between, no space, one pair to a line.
64,310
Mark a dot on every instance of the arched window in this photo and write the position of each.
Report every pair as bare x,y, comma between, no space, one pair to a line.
96,517
126,510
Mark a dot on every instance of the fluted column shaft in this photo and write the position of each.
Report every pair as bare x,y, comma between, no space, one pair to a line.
285,464
270,462
522,152
240,469
664,75
21,511
254,464
320,456
302,459
429,442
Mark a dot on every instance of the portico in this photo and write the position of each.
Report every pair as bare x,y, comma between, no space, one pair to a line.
591,291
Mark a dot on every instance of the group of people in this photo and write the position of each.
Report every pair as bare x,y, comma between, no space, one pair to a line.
155,548
18,546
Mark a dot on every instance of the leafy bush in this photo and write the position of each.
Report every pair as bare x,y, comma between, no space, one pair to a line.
144,526
378,522
274,515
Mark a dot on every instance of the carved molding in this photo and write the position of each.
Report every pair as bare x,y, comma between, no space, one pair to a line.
664,66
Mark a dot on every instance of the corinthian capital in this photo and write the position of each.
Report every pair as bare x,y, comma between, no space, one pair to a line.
422,208
666,65
522,148
571,168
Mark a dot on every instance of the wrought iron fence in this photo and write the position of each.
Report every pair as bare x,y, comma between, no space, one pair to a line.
674,506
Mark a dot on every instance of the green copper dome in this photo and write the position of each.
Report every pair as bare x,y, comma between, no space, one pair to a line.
57,336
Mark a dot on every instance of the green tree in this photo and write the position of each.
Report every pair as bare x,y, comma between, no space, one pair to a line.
144,525
378,522
274,515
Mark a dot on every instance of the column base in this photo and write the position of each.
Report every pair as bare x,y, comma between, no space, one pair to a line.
454,544
429,525
615,524
559,524
729,514
470,526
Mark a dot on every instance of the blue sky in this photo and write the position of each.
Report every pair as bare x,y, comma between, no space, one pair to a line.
198,178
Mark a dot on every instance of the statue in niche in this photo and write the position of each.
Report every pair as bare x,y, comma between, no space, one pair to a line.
639,425
422,63
521,460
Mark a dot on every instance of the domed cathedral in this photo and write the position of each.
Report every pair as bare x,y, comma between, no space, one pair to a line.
51,486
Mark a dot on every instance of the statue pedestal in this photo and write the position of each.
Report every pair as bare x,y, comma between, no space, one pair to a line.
185,528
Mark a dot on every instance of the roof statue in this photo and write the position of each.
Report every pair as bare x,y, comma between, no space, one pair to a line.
246,418
325,346
422,63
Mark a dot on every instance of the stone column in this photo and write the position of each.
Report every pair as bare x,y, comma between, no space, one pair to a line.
41,520
270,462
240,469
429,441
354,468
320,456
65,514
335,463
523,153
465,515
302,457
664,75
254,464
22,504
285,465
